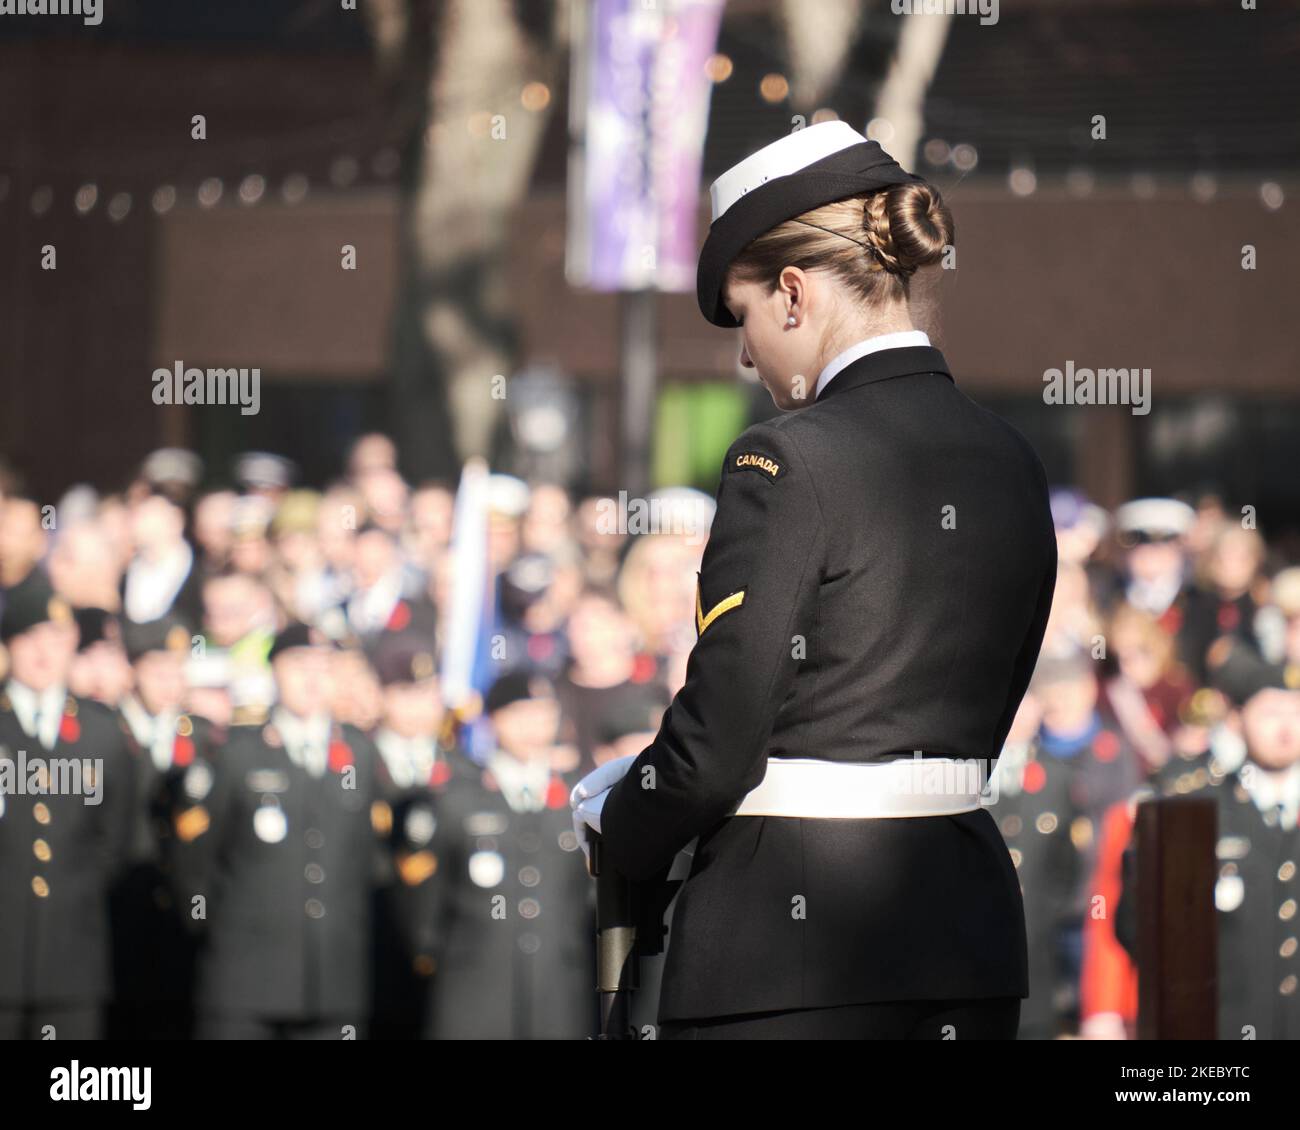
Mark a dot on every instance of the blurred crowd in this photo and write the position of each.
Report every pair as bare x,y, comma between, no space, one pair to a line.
1170,667
308,826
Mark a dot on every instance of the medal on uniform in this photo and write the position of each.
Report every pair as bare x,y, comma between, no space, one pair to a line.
270,823
487,868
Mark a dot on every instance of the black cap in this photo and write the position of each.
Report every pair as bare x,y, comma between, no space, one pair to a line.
1240,672
166,634
296,635
403,657
96,625
29,603
515,686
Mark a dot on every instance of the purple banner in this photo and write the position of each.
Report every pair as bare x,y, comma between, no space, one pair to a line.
640,138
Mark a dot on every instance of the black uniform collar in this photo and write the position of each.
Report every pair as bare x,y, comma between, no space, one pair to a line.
884,364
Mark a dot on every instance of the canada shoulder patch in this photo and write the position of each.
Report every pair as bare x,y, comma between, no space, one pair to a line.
758,461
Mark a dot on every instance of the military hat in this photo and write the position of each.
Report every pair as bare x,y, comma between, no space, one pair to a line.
1240,672
1153,518
95,625
165,634
31,602
296,635
813,166
515,686
403,657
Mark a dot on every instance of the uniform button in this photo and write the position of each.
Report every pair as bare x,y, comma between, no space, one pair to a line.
315,839
1287,948
40,887
1016,856
41,812
1081,832
530,843
530,876
315,908
1011,825
529,908
315,873
1287,910
424,965
530,943
1288,985
568,840
41,850
1286,872
1046,823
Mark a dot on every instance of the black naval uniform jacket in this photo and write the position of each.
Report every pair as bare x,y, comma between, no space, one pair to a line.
58,858
876,581
517,935
286,863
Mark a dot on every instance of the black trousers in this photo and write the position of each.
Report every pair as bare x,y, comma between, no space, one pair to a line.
993,1018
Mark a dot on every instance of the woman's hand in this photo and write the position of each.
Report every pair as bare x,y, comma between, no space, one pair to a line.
588,796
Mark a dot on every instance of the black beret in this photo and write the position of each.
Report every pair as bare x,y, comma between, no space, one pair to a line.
166,634
1240,672
96,625
515,686
403,657
803,170
29,603
296,635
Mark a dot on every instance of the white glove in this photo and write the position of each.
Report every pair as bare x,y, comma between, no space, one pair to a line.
588,796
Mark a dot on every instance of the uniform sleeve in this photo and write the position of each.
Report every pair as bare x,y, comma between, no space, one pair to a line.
1027,656
755,607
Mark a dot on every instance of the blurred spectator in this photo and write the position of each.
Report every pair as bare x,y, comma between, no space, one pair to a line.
22,540
1222,600
606,670
162,576
83,567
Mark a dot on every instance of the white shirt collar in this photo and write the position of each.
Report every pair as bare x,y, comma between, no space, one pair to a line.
409,760
25,702
306,740
522,783
900,340
155,732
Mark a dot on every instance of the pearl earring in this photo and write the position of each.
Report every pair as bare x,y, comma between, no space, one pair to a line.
790,321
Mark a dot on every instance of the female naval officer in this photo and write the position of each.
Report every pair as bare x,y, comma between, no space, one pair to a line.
870,606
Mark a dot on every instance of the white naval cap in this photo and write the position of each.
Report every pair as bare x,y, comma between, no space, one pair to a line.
1166,517
803,170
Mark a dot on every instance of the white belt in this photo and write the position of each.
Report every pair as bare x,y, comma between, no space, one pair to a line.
837,790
